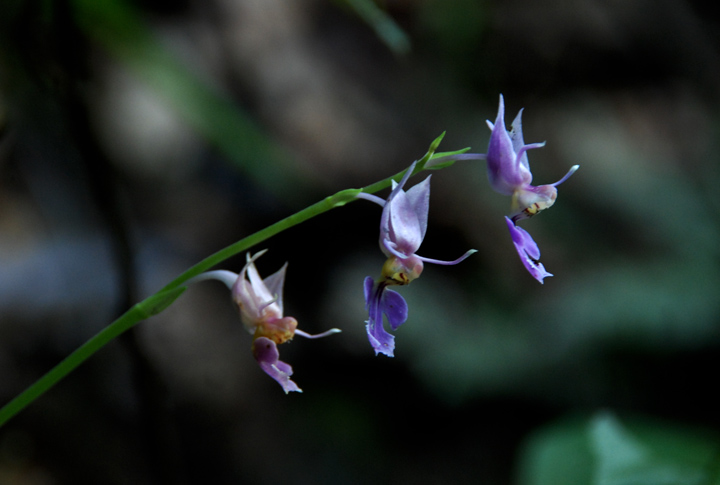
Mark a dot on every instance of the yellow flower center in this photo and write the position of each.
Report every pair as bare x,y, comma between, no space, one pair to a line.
531,203
395,271
279,330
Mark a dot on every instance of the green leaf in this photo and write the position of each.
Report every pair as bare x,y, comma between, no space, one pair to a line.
120,28
436,143
557,454
622,459
385,27
431,151
431,165
614,448
603,451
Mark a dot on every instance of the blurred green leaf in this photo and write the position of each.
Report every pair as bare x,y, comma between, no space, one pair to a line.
603,451
615,450
120,29
384,26
556,455
621,459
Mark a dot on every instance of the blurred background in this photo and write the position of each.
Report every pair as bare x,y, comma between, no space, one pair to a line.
138,137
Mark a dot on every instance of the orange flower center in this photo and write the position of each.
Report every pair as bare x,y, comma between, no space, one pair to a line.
279,330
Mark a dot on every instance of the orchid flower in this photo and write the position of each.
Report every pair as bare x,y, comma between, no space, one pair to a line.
260,302
403,225
509,174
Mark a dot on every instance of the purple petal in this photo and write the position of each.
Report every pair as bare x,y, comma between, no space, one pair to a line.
252,295
244,295
379,338
506,171
267,355
394,306
398,221
397,187
527,250
404,227
372,198
274,284
523,239
368,286
516,136
500,155
390,248
448,263
567,175
261,292
521,161
419,198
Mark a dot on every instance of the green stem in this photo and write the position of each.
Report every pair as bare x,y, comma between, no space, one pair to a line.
157,302
145,309
339,199
162,299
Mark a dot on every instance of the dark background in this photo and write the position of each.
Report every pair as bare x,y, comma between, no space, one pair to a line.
138,137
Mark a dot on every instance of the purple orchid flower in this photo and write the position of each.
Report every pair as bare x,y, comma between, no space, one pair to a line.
509,174
403,225
260,302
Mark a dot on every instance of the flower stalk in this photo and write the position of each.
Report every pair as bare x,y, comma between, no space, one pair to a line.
160,300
